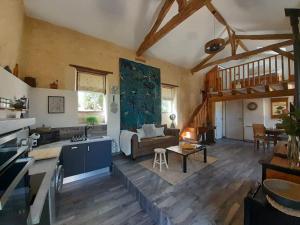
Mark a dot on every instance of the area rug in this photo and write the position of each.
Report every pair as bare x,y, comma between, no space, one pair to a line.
174,174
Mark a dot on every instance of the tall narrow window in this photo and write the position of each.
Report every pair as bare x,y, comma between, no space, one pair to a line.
91,92
167,101
91,89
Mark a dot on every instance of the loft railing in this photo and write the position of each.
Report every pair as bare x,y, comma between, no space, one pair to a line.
266,71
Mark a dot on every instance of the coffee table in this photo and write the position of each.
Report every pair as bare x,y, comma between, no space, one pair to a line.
185,153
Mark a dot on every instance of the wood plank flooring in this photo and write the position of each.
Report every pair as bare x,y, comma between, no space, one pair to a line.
99,201
212,196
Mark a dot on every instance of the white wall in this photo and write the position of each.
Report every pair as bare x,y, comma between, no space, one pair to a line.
261,115
250,117
11,87
39,108
113,121
219,120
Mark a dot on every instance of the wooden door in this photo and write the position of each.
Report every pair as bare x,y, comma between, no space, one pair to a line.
234,122
219,119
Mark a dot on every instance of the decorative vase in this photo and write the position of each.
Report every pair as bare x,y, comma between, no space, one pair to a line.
293,150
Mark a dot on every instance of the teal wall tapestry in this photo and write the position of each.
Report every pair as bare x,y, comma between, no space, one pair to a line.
140,96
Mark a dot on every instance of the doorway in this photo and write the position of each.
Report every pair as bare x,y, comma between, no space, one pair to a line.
234,121
219,119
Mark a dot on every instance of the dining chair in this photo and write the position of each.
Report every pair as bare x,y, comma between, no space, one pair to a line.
259,136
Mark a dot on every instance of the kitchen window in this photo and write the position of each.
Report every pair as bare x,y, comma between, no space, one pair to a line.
91,91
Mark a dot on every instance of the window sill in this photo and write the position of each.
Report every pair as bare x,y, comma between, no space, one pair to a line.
90,111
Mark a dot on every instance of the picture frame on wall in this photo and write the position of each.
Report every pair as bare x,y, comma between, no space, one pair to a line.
278,105
56,104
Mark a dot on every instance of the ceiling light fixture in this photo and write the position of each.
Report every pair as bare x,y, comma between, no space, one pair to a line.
215,45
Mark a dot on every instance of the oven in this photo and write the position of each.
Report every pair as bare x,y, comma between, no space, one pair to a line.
18,189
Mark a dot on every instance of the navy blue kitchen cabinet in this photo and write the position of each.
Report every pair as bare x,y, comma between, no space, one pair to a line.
73,159
86,157
98,156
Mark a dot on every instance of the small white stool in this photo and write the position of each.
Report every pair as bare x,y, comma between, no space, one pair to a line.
162,158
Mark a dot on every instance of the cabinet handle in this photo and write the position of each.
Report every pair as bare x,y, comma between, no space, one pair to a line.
88,148
74,147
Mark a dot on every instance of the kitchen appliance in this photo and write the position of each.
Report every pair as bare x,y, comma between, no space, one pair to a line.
46,136
34,140
18,189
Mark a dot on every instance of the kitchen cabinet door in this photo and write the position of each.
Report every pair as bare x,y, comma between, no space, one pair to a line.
74,159
98,155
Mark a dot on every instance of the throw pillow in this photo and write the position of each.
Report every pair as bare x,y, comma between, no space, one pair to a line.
149,130
160,131
140,134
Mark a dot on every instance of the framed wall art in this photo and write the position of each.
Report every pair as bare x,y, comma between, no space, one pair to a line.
56,104
278,105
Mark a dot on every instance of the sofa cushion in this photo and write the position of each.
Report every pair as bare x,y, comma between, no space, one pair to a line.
160,131
156,141
149,130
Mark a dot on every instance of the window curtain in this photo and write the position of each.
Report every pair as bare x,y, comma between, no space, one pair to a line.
91,82
167,93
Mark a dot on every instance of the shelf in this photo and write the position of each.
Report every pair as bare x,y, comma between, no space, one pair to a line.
13,109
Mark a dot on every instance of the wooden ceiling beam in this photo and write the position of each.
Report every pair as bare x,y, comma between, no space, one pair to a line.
242,44
284,53
181,4
216,13
243,55
288,92
162,14
191,7
264,36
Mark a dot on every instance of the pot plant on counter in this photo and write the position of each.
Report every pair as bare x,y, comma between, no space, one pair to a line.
291,125
91,120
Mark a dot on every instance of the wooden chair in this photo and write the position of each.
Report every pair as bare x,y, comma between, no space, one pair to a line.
259,135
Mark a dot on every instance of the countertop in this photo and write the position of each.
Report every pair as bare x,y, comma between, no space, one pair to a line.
8,125
48,166
68,142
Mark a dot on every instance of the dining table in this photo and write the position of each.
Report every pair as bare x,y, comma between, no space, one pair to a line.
274,133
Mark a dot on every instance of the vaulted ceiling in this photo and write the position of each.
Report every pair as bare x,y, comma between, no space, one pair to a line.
127,22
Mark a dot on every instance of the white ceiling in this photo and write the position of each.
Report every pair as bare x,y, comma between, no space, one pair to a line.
126,22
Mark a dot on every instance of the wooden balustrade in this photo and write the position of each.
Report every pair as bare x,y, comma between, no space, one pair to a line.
270,70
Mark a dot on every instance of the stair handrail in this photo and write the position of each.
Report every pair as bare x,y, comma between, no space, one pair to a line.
196,111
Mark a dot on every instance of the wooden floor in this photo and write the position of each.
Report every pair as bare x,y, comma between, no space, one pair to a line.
99,201
212,196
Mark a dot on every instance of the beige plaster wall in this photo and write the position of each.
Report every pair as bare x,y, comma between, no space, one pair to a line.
48,50
11,26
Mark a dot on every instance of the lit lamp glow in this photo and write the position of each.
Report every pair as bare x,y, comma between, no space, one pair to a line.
188,134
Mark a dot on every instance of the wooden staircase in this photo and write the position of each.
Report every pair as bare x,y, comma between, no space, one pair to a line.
199,118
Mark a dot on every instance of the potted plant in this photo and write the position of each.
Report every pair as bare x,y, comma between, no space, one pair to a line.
91,120
291,125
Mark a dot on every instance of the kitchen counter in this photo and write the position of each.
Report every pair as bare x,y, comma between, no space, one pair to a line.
47,166
8,125
68,142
